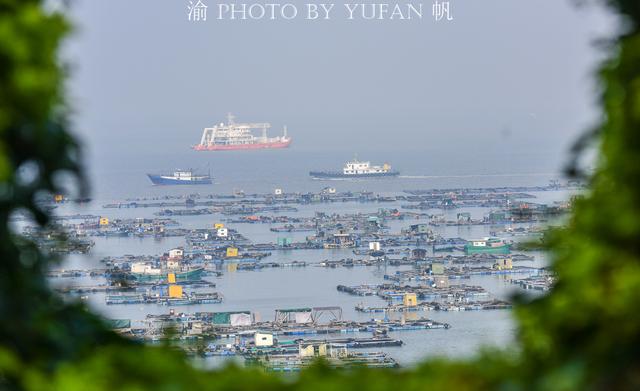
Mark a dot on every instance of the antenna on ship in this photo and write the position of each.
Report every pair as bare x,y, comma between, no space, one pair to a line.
230,118
284,135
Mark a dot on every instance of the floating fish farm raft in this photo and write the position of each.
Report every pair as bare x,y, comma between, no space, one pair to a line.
394,256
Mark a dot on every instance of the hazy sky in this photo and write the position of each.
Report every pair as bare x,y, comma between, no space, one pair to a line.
503,75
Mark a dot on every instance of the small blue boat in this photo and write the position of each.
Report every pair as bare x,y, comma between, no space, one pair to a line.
180,177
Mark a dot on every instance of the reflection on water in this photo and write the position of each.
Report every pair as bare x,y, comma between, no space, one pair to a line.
264,291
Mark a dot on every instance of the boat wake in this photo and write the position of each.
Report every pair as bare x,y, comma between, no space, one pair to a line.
477,176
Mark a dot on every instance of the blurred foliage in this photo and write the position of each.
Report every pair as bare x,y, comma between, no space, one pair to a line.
36,327
584,335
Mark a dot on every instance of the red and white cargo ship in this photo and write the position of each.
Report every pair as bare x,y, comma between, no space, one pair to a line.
235,136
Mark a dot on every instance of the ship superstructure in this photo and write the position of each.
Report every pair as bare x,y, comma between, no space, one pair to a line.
235,136
357,169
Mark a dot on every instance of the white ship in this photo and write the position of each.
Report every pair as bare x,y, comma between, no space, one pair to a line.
238,136
357,169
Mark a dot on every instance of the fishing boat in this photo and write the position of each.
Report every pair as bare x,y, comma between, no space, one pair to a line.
357,169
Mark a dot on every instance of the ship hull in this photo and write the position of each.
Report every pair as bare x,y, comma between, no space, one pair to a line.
163,180
238,147
339,175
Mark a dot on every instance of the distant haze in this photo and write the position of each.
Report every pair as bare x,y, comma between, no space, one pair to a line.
506,77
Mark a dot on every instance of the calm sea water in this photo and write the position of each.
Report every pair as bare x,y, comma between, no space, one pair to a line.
264,291
120,173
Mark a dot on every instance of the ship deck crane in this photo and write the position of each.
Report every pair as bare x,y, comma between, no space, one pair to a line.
240,131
